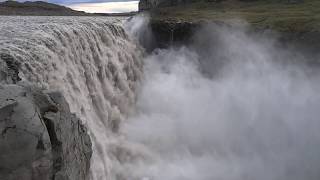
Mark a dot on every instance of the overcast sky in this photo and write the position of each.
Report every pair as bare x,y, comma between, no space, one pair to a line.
106,7
99,6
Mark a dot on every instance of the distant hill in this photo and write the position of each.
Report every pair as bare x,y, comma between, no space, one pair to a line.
38,8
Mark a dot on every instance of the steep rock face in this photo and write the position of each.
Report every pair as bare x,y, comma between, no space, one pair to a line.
168,32
40,139
171,33
150,4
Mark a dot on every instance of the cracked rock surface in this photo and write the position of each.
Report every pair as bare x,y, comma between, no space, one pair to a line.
40,139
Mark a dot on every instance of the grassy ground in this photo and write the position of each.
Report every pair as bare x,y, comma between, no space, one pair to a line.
274,14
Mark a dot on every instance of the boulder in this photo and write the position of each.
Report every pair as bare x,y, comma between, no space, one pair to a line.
40,139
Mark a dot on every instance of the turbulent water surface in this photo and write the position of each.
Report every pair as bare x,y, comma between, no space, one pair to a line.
230,106
91,60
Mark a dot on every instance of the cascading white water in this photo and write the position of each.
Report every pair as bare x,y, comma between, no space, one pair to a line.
92,61
228,107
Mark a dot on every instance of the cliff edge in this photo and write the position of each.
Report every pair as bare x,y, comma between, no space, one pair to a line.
295,20
40,138
283,15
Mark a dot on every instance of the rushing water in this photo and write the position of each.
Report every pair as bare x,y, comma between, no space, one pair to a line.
91,60
231,106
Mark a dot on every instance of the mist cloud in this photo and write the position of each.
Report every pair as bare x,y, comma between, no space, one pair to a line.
233,106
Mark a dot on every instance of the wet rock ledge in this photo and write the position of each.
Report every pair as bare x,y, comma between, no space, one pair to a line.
168,32
40,139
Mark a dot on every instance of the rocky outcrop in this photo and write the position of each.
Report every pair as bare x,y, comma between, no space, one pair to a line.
150,4
168,33
9,69
153,4
40,139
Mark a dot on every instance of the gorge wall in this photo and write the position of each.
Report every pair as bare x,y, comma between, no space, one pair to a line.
151,4
154,4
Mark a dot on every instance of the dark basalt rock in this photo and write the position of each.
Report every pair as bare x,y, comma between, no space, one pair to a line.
9,69
152,4
40,139
168,33
171,32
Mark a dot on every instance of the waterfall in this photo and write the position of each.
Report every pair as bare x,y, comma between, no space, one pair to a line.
232,105
91,60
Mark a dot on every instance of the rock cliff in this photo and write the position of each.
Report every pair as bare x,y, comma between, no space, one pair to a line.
151,4
295,20
40,138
